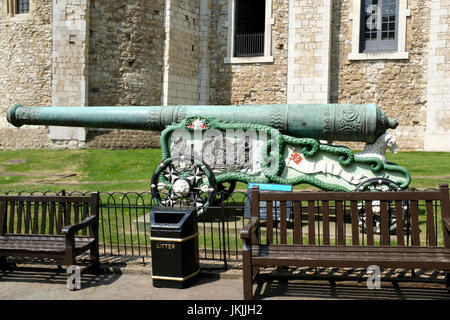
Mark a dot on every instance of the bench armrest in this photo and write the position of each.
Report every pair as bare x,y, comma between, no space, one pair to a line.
250,228
446,222
71,229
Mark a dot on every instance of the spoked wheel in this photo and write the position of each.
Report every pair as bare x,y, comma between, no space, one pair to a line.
224,191
183,181
380,185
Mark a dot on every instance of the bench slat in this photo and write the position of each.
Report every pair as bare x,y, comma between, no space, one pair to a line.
52,215
67,210
59,219
283,224
355,226
19,218
369,223
44,217
326,222
27,217
340,223
384,223
415,223
76,213
269,222
298,236
35,218
431,234
3,209
36,244
340,256
349,196
11,217
399,221
311,226
264,249
85,215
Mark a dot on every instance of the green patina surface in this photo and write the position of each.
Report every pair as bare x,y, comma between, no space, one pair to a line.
278,149
340,122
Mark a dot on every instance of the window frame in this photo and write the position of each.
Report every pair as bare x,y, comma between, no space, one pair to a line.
269,21
11,11
400,53
17,6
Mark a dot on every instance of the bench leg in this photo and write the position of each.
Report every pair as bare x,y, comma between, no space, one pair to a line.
247,276
95,259
447,281
3,264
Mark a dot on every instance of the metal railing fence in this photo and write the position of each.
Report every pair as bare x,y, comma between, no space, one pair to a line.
124,227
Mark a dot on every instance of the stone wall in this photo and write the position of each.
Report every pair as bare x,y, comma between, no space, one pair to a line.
69,66
125,65
126,52
181,52
437,135
399,87
253,83
25,70
122,139
309,51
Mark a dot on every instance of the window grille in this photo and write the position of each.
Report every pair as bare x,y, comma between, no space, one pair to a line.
249,28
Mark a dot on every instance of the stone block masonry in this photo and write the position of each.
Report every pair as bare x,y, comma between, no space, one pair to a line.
437,135
309,51
70,65
25,70
181,55
126,48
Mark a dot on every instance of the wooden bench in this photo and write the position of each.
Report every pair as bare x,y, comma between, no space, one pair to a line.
54,227
325,231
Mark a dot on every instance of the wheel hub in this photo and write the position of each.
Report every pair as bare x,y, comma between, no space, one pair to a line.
181,187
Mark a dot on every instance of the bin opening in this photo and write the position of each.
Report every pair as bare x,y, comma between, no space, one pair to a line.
168,217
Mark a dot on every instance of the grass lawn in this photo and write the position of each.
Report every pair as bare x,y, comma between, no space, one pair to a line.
131,170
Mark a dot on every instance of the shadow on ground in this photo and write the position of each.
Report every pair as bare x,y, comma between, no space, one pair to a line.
303,289
46,275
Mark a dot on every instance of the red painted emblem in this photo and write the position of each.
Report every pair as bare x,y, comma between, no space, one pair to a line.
197,124
296,157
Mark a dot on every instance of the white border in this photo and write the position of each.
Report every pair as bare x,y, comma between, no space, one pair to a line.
401,53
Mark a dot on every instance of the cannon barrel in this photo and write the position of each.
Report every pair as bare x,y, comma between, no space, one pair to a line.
339,122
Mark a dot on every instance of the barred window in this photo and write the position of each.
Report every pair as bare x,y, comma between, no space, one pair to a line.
23,6
379,25
249,28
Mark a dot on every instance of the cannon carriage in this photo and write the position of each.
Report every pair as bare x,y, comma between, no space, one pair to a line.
206,150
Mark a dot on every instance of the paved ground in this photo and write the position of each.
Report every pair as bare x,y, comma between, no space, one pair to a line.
45,285
133,282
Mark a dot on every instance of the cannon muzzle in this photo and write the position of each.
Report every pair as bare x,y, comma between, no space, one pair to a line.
338,122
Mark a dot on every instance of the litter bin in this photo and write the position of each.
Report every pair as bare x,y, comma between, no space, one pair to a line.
174,246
